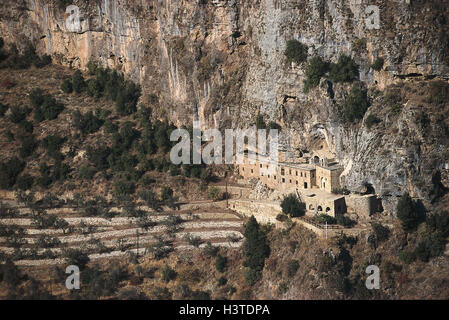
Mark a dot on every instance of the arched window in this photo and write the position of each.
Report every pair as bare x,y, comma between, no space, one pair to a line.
328,209
320,208
311,207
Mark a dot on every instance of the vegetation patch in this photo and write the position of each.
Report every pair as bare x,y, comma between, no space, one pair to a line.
296,52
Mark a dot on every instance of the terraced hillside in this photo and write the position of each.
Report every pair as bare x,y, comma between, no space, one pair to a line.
30,242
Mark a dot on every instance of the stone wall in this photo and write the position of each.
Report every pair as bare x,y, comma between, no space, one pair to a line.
264,212
363,206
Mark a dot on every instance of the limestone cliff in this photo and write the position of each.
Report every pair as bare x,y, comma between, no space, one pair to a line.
223,61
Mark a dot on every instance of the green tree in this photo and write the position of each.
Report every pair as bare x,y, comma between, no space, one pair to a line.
345,70
94,88
18,114
51,108
29,144
292,206
378,64
168,274
431,246
356,104
214,193
123,187
255,249
315,70
220,263
77,258
78,82
36,97
295,51
3,109
408,213
66,86
166,193
371,120
292,268
439,222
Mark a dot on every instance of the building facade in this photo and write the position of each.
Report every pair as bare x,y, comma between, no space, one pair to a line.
316,180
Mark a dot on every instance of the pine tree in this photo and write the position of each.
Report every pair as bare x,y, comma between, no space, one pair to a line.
78,82
408,213
256,247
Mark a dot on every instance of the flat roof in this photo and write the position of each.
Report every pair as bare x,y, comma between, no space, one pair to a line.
330,168
319,194
300,166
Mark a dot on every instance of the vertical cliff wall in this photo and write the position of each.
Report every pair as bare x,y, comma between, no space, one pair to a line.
222,61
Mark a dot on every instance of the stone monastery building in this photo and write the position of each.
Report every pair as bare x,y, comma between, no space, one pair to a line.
314,179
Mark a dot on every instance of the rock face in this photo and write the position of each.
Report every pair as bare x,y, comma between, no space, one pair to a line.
223,61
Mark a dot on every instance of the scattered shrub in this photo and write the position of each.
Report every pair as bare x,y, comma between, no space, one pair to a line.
36,97
409,213
315,70
3,109
94,88
211,250
214,193
252,276
14,60
345,70
98,157
51,108
9,171
381,232
222,281
292,268
431,246
220,263
92,68
27,126
192,240
371,120
25,182
122,188
78,82
438,93
87,172
87,123
67,86
344,221
359,45
281,217
18,114
168,274
356,104
296,52
110,127
325,218
439,222
29,144
407,256
378,64
76,257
